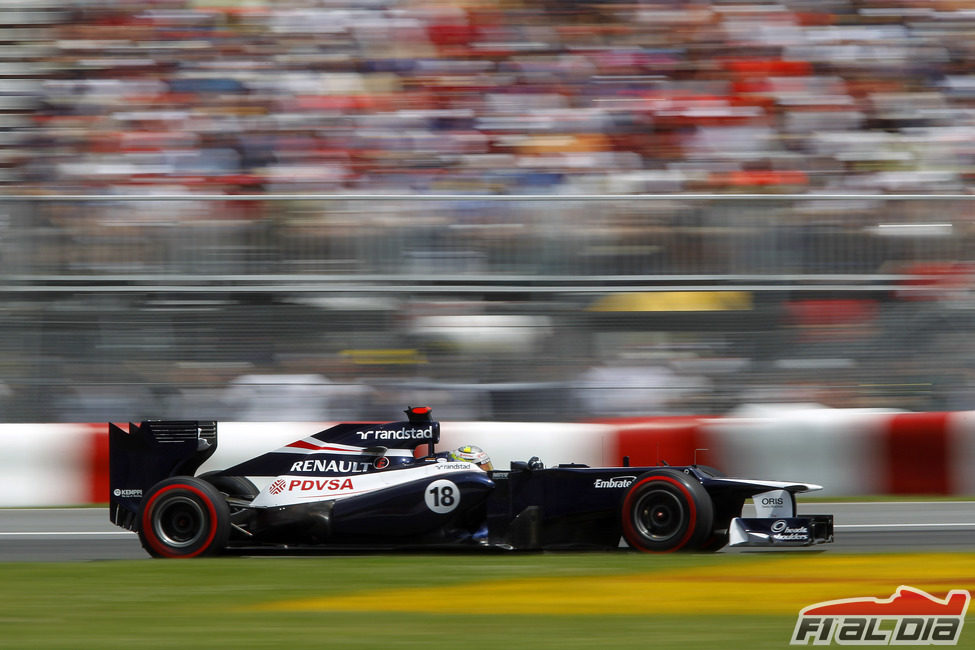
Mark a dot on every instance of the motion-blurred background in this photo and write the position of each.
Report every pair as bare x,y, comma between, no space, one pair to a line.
798,226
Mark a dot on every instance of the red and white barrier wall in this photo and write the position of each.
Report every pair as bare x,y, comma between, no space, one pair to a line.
848,451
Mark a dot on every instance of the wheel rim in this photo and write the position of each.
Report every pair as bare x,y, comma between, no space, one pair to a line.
659,515
179,522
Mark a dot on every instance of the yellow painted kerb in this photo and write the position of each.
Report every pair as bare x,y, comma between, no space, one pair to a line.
782,585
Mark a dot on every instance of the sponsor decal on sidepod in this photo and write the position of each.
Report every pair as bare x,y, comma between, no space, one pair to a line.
615,482
909,617
327,465
310,485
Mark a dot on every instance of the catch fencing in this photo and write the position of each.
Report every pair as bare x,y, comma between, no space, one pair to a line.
533,307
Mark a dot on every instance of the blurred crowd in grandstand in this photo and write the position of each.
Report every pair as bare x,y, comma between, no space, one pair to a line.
542,97
519,96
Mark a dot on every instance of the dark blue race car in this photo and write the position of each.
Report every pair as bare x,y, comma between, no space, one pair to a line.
385,486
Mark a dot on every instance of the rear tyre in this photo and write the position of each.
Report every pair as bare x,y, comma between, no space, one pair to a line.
666,510
232,486
184,517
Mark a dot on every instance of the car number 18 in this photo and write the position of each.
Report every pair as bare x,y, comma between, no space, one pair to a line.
442,496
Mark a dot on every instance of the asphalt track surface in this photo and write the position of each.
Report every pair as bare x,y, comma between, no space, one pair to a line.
85,534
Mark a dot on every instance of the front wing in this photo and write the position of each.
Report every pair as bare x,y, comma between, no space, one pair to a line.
788,531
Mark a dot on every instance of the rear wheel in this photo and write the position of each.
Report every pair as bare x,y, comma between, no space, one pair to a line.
666,510
183,517
232,486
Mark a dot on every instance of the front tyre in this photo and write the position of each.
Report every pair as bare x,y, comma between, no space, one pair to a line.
182,517
666,510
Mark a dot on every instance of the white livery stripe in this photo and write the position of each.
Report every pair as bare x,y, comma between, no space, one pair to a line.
350,451
778,485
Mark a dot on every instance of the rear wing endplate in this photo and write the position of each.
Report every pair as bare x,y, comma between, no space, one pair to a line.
148,453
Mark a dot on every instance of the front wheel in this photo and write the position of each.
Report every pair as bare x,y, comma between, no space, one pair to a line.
183,517
666,510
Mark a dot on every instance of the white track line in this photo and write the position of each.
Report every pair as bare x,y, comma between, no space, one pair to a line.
65,533
931,525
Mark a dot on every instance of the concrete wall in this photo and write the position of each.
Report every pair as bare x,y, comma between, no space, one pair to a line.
848,451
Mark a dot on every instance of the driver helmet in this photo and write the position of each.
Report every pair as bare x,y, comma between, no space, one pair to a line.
473,454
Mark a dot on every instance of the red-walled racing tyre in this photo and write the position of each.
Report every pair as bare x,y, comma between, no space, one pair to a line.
183,517
666,510
232,486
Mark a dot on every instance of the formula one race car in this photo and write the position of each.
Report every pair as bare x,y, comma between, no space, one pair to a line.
369,486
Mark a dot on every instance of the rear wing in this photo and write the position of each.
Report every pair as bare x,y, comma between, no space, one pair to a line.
148,453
